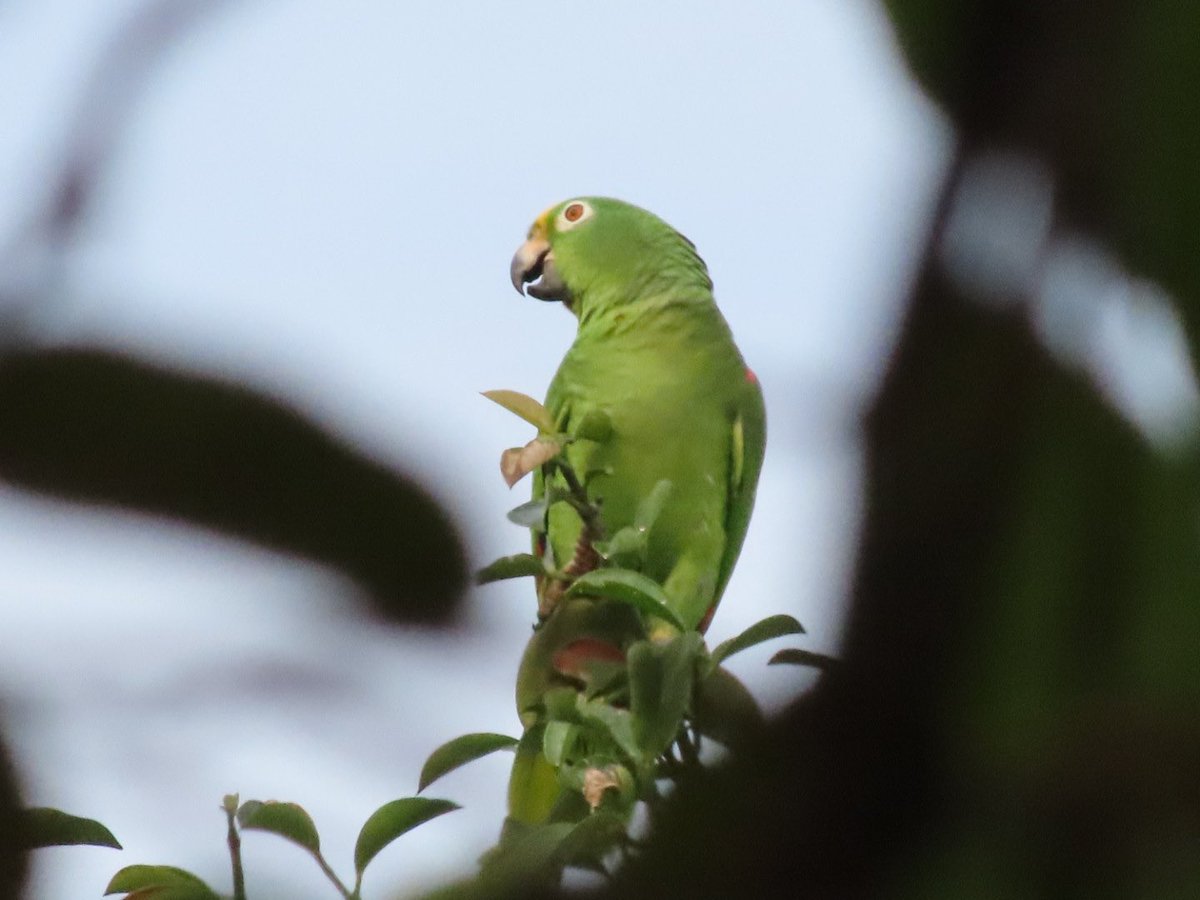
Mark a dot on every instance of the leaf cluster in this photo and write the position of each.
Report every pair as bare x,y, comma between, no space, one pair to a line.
624,728
45,827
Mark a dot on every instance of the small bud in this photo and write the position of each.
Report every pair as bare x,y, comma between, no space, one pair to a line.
596,782
517,462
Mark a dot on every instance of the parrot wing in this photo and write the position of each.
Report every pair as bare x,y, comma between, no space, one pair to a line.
747,444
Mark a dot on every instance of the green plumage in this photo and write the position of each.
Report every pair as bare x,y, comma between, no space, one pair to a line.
654,360
654,354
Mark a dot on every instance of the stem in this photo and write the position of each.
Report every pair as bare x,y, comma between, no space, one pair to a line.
583,505
235,853
332,876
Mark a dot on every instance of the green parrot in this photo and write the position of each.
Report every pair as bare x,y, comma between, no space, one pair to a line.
654,360
654,355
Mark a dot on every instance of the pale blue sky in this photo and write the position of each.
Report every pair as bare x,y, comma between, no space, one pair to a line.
322,199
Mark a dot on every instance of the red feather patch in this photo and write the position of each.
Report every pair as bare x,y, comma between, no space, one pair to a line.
573,659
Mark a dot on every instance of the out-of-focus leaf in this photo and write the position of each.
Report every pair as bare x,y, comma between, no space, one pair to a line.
524,406
1153,124
618,724
46,827
518,565
626,548
288,820
794,656
931,33
460,751
97,427
14,860
391,821
633,588
762,630
1105,95
725,710
588,842
525,860
562,704
517,462
533,783
159,881
660,687
557,740
529,515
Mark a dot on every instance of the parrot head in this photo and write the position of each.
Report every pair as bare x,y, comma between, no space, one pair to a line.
603,248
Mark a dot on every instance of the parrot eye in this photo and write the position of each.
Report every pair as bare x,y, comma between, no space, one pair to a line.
572,214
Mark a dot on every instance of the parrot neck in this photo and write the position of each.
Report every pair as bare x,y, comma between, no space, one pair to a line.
657,307
677,282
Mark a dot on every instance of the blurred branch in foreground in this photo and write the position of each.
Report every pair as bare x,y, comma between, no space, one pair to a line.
100,428
95,427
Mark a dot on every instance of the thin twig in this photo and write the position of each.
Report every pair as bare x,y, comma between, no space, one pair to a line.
332,875
235,851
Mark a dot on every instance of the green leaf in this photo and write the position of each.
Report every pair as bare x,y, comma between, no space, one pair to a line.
794,656
725,710
160,881
660,687
533,782
605,679
516,566
616,723
557,741
526,857
634,588
652,504
626,548
288,820
459,752
531,514
594,426
767,629
46,827
391,821
562,704
524,406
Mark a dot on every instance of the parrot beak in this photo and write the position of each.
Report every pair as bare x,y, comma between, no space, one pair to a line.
533,264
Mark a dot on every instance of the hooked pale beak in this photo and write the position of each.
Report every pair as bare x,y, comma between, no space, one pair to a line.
533,264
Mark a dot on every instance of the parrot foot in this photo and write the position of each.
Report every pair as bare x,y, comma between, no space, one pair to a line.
584,560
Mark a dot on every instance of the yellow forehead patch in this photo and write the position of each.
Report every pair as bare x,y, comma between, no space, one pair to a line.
541,225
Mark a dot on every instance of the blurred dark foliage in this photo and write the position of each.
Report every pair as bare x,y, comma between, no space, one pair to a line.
1103,91
102,428
96,427
1017,714
13,862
